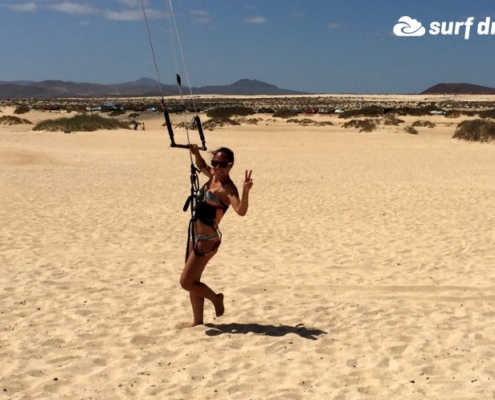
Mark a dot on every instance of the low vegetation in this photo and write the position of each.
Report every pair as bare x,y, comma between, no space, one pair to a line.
423,123
213,123
229,112
80,123
364,125
477,130
410,129
369,112
11,120
417,111
307,121
391,119
22,110
487,114
284,113
453,114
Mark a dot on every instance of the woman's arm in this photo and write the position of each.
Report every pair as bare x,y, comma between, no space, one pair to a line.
200,162
240,205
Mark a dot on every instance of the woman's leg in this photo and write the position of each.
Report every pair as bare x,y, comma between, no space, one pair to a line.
190,280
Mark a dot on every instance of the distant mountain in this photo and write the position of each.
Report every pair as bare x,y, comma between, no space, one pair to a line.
458,88
141,87
245,87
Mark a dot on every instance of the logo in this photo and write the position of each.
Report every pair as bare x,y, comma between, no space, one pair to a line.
409,27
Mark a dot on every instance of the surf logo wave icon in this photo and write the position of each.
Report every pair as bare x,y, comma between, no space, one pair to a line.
407,26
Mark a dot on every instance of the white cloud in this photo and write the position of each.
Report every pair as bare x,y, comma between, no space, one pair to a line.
72,8
256,20
26,7
129,10
133,3
133,15
333,25
201,17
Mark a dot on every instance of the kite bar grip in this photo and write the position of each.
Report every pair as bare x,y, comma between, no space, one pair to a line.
197,121
169,129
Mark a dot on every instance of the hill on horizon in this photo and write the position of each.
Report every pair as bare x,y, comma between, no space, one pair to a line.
458,88
141,87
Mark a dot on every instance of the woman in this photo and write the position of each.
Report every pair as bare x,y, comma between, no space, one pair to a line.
216,196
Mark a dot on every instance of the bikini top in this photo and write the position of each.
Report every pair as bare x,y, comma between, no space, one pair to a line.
209,208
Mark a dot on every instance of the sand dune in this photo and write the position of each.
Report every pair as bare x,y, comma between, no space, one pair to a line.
362,270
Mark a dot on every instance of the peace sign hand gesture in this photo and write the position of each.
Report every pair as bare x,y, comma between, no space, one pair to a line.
248,182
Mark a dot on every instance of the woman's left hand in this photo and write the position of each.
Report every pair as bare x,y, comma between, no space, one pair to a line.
248,182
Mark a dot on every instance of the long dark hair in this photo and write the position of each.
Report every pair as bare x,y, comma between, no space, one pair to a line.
229,153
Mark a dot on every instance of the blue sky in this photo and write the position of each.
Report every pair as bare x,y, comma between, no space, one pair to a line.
326,46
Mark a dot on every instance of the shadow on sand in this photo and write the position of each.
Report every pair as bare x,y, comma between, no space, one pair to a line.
268,330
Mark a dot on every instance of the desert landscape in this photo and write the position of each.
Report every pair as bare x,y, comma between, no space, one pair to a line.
362,270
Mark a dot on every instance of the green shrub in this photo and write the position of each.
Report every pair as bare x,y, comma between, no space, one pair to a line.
11,120
487,114
391,119
370,112
411,130
415,112
284,113
22,110
427,124
324,123
476,130
453,114
364,125
80,123
219,123
228,112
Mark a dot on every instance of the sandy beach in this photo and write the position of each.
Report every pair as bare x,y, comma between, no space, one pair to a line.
363,269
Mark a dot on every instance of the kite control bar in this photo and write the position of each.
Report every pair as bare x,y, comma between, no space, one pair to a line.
196,122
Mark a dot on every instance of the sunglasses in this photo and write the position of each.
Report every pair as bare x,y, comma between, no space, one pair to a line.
221,164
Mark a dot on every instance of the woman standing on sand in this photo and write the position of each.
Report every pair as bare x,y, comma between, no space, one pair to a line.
213,201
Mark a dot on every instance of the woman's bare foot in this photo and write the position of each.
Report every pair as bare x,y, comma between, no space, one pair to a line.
183,325
219,307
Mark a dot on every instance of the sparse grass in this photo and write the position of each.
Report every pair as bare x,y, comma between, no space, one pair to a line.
417,111
133,115
307,121
80,123
422,123
219,123
391,119
487,114
22,110
222,113
324,123
284,113
411,130
249,121
369,112
11,120
453,114
364,125
477,130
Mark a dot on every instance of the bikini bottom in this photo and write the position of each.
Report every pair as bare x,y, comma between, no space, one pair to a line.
216,239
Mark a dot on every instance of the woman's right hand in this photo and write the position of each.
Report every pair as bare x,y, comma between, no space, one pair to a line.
193,148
